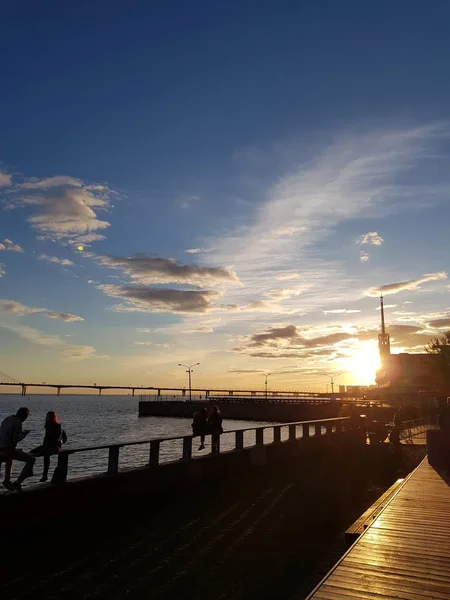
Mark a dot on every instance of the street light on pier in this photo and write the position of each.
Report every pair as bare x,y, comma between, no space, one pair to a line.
331,379
266,375
189,371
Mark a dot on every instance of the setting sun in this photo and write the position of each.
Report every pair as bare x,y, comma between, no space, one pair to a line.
362,365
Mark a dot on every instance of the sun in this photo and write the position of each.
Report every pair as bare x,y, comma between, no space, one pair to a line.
362,365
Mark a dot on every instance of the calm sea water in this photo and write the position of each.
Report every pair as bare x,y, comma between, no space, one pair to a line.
94,420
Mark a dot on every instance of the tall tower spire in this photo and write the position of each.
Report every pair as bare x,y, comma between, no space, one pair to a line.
384,342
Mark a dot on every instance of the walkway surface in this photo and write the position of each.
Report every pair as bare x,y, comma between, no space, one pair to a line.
246,541
405,553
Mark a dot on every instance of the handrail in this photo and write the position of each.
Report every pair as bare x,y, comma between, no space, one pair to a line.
181,437
61,471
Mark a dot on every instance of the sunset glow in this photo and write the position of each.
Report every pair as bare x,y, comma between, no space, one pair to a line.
362,365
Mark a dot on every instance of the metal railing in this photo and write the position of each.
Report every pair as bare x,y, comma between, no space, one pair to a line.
413,428
295,431
260,399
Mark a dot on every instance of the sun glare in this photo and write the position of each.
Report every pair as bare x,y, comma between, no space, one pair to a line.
362,365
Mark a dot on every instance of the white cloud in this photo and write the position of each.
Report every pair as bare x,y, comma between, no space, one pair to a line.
411,284
65,207
5,179
10,246
194,250
202,329
2,270
363,256
371,238
54,259
18,309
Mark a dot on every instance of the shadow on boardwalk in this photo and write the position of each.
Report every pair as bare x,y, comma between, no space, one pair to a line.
249,540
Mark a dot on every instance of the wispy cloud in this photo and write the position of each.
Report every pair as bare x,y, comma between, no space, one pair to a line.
152,344
194,250
341,311
18,309
2,270
411,284
9,246
68,352
287,276
357,175
65,262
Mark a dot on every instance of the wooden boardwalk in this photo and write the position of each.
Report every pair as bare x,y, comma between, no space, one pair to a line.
405,553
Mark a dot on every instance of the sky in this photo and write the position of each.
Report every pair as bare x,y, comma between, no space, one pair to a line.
231,184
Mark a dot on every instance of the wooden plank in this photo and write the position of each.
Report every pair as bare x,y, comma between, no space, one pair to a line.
404,552
368,516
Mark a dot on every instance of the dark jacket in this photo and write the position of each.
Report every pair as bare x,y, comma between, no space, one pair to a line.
215,423
52,438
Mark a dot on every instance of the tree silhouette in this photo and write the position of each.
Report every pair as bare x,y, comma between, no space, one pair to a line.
440,346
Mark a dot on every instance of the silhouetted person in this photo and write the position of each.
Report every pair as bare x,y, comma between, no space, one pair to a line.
54,438
394,436
215,425
11,433
200,426
444,419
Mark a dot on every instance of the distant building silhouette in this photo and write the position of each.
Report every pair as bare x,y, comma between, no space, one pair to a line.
414,371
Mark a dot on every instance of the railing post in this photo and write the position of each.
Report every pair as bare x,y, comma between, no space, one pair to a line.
154,453
305,430
277,434
60,474
338,426
239,445
317,429
187,448
260,437
113,460
292,432
215,443
329,427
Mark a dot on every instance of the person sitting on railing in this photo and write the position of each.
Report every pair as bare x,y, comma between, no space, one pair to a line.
200,426
11,433
215,424
54,438
444,419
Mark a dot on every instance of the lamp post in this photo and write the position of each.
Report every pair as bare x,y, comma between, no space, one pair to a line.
332,380
266,375
189,371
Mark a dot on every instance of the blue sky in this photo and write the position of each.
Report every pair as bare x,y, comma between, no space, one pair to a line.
242,178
